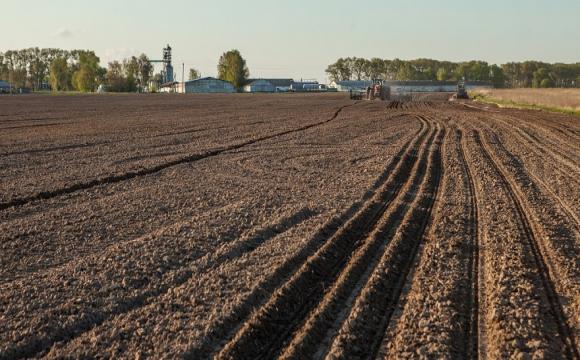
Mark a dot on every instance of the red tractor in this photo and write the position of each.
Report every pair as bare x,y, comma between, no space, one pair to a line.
378,91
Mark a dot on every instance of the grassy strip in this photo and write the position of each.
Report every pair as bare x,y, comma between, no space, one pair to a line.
515,105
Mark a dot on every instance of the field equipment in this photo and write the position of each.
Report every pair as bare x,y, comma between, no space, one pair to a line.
461,91
375,91
378,91
356,94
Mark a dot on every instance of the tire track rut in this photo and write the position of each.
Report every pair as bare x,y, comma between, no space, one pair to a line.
363,333
571,349
228,328
317,333
264,335
152,170
76,329
474,346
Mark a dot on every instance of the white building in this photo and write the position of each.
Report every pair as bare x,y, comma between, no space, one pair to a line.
410,85
307,86
202,85
348,85
268,85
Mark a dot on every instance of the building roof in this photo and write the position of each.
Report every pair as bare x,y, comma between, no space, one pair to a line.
420,83
364,83
205,78
273,82
354,83
304,82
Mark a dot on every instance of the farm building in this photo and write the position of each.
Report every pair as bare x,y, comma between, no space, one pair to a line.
349,85
307,86
4,87
204,85
268,85
410,86
433,86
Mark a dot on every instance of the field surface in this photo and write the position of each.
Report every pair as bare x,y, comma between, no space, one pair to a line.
289,226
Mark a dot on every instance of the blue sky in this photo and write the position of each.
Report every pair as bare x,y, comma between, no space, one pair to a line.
299,38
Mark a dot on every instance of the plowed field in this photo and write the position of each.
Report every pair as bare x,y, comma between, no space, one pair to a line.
287,226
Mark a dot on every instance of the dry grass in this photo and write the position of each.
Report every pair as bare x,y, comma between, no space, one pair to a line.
549,99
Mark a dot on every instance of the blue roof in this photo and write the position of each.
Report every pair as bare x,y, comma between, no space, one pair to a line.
206,78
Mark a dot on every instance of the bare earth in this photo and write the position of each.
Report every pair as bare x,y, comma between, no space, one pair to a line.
287,226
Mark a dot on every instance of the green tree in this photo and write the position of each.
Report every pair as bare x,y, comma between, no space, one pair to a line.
145,69
547,83
333,72
497,76
478,71
441,74
539,76
344,69
232,68
194,74
131,70
375,68
116,80
359,67
85,77
406,72
59,74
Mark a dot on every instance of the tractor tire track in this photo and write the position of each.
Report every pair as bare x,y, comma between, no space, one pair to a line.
179,276
352,217
538,149
554,227
76,329
152,170
363,331
534,148
475,337
291,303
324,321
554,153
571,350
438,308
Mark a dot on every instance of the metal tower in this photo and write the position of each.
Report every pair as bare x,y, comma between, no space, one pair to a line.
167,72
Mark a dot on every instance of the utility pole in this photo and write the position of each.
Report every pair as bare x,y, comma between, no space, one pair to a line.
10,77
183,77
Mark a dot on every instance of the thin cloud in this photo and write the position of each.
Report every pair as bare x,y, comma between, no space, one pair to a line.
64,33
118,54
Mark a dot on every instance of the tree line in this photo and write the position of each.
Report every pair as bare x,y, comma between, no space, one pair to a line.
514,74
64,70
80,70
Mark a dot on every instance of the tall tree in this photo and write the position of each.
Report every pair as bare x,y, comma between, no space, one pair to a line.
145,69
85,77
441,74
59,74
333,72
406,72
359,68
497,76
131,70
344,69
194,74
374,68
116,80
232,68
